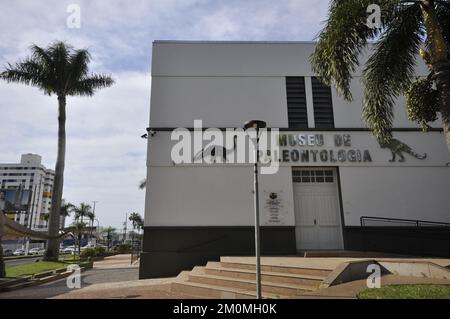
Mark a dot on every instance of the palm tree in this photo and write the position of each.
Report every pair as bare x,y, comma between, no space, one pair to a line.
409,29
91,216
66,209
82,211
63,71
79,229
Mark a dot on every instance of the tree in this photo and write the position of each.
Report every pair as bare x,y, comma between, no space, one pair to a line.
91,216
109,233
66,209
408,29
82,211
136,221
63,71
79,228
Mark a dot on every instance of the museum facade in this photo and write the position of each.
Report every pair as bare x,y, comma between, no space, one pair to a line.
335,186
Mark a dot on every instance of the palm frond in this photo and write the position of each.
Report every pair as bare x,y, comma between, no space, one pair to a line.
41,56
341,42
79,65
87,86
143,184
28,72
390,70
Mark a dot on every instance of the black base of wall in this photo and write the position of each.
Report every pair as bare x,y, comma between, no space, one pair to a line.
170,250
418,241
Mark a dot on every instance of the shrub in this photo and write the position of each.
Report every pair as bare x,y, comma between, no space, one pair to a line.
88,253
100,251
123,249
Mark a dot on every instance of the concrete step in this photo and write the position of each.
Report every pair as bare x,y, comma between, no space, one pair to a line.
246,284
215,269
277,268
218,292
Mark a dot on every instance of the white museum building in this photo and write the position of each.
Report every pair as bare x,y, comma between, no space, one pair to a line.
336,187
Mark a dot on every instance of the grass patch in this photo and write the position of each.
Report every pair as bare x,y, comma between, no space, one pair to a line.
407,292
33,268
69,258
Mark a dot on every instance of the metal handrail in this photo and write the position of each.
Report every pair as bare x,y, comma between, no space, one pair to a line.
417,223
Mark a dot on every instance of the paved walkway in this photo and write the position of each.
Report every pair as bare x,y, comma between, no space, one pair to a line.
111,270
115,277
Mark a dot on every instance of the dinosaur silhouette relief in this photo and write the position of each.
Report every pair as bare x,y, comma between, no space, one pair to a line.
216,150
397,148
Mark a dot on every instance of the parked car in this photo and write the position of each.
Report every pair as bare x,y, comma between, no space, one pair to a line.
69,250
19,252
36,251
8,253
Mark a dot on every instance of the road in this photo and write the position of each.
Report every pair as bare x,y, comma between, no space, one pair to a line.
21,261
111,270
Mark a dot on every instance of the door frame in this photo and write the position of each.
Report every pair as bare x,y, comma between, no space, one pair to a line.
339,197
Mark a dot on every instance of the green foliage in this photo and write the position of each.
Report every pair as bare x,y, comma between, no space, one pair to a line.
88,253
422,102
407,292
123,249
100,251
33,268
390,70
58,69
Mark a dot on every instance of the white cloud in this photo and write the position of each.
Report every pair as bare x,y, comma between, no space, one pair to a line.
105,155
105,158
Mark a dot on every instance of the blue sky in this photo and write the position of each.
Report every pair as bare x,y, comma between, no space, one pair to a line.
105,155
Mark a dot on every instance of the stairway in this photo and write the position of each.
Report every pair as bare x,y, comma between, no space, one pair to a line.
234,278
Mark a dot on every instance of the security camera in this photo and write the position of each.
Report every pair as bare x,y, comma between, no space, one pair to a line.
150,132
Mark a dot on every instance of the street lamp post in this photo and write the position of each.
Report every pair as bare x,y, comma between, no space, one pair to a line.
257,125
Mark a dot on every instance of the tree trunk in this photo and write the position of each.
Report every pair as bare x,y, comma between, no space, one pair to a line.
439,63
52,252
2,263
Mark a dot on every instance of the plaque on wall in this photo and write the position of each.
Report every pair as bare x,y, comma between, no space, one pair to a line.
274,208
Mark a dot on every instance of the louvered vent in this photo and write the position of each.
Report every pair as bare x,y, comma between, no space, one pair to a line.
323,104
296,102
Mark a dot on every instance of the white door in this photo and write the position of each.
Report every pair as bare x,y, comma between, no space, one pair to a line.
317,209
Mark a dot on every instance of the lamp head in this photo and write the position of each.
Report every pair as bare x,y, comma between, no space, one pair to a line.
256,124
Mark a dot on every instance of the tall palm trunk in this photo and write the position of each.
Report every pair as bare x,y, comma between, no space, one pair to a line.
2,264
440,63
54,222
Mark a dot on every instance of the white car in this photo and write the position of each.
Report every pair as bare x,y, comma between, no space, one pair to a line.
68,250
19,252
36,251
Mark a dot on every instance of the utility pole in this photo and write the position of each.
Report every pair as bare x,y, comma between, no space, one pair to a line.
92,221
